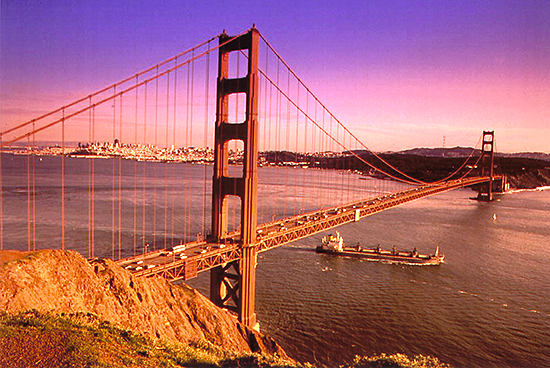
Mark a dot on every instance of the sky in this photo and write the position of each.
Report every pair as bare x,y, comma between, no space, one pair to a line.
399,74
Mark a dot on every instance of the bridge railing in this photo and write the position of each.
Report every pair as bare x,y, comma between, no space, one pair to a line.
205,256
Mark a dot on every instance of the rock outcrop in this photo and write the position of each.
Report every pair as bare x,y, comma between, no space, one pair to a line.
57,281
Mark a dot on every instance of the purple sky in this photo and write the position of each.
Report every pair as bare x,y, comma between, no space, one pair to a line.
400,74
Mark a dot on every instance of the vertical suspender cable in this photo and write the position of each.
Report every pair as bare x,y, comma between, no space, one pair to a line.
206,124
155,165
90,140
350,169
236,120
350,177
278,128
259,128
296,205
336,163
305,150
92,198
287,145
1,195
63,180
342,167
264,140
191,97
113,178
29,220
33,193
339,164
186,143
135,145
172,204
325,177
144,177
313,150
333,174
191,123
168,149
120,182
270,127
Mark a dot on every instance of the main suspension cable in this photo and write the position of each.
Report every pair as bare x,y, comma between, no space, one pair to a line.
331,137
114,85
333,116
109,98
346,129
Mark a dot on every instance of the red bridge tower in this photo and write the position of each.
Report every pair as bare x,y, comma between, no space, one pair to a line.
487,163
232,285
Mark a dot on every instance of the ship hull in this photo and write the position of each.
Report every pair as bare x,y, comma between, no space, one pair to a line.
386,256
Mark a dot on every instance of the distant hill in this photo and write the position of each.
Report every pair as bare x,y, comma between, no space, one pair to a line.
533,155
439,152
465,151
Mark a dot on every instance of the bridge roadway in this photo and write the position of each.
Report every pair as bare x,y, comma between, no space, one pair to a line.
187,260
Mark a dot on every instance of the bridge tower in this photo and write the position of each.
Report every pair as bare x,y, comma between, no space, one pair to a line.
232,285
487,165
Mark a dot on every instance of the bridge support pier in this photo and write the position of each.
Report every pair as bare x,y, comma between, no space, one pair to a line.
233,286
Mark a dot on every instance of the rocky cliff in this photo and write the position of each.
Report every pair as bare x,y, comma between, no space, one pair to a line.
56,281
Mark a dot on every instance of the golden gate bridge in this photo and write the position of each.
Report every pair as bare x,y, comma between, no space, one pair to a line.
167,203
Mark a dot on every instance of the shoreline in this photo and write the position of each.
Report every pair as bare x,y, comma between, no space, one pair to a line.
522,173
537,189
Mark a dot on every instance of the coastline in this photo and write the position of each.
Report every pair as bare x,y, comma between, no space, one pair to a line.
523,173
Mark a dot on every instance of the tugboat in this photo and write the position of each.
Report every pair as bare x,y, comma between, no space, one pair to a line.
334,244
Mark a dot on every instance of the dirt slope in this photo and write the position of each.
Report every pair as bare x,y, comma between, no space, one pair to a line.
64,282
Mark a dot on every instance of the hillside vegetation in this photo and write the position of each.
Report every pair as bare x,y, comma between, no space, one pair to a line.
82,340
35,339
57,281
58,310
523,172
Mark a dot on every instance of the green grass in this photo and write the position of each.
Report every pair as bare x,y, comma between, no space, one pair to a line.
82,340
397,361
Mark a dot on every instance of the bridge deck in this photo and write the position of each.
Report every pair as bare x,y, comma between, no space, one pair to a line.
187,260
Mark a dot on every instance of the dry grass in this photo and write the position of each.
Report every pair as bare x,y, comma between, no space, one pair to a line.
397,361
7,256
34,339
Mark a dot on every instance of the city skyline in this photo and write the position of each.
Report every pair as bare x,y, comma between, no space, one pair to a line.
399,74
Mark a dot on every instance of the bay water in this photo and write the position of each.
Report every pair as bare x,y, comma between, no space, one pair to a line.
488,305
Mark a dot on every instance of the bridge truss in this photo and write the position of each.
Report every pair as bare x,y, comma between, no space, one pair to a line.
170,265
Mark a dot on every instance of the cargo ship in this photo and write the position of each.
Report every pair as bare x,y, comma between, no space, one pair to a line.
334,244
